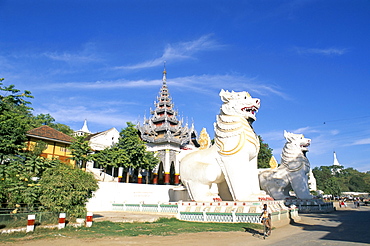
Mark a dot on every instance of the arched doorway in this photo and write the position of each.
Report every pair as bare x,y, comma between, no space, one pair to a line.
172,173
160,174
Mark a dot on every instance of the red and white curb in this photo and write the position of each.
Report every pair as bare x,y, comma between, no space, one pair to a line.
61,223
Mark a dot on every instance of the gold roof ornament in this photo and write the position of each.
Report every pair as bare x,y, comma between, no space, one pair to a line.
204,139
273,163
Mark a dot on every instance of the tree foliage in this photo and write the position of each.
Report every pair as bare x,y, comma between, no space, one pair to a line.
336,179
133,153
25,176
48,120
15,117
19,179
264,155
64,188
80,150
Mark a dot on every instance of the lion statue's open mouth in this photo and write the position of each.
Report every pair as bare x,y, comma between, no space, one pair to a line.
239,104
253,110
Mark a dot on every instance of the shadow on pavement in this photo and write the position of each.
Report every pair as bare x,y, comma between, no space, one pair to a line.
254,232
353,225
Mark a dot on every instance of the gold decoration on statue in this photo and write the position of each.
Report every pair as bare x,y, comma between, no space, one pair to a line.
273,163
204,139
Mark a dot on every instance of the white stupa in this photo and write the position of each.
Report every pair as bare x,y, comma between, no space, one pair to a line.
83,131
336,163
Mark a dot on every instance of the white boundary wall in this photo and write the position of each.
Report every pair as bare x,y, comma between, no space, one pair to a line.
112,193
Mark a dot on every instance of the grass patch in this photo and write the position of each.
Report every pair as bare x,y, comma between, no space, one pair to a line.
161,227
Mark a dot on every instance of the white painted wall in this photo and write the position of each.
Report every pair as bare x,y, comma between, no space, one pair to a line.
112,192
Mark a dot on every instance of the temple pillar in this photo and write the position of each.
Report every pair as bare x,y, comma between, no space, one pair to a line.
166,178
139,177
177,179
177,169
120,173
155,178
167,167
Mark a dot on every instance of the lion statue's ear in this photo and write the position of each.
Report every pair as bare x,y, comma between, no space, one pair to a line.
287,135
224,95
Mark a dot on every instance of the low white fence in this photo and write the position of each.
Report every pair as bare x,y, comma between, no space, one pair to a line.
327,207
311,205
202,215
151,208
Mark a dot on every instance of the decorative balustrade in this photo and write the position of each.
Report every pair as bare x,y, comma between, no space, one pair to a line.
163,139
204,212
310,205
163,118
305,208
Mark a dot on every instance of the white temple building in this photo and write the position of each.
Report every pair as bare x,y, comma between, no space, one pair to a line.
98,142
312,181
166,135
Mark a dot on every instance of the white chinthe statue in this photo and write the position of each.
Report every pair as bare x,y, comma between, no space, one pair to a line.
231,162
292,172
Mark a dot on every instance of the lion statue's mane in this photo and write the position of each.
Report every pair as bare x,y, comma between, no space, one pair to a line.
292,172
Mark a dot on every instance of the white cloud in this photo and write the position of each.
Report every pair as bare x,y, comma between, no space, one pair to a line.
86,55
361,141
177,52
204,84
327,51
95,116
70,57
120,83
305,130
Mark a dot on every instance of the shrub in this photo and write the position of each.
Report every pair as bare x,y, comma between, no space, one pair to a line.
67,189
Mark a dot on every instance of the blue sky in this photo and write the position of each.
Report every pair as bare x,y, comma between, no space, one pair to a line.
308,62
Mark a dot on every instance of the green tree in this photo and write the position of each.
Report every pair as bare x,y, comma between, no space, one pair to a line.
357,183
63,128
15,117
47,119
43,119
110,157
67,189
264,155
322,174
25,177
331,187
329,178
150,161
33,162
80,150
19,181
135,150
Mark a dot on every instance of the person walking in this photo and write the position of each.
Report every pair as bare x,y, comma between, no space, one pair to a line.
266,217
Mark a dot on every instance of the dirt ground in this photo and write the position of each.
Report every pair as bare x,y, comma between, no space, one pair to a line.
189,239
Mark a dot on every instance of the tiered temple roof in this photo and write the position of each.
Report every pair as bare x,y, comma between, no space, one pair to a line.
164,126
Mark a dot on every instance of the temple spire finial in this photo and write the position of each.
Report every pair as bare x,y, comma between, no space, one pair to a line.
164,79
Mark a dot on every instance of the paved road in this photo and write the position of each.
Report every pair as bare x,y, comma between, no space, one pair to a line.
343,227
